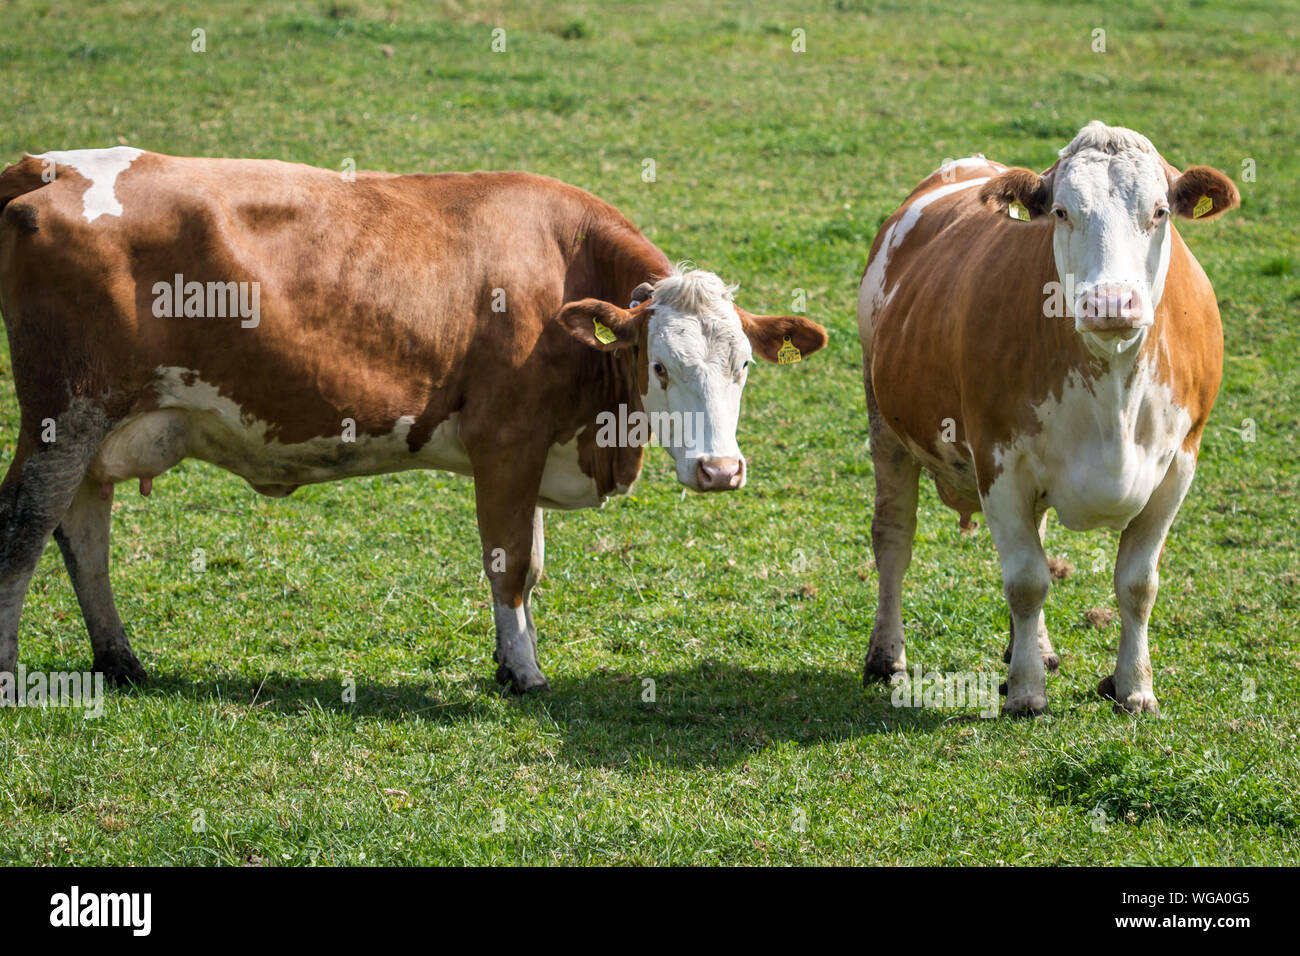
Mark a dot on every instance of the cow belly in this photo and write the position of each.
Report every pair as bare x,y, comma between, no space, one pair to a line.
195,421
150,444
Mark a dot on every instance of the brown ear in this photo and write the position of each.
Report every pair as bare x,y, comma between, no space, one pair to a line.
768,335
600,324
1202,193
641,293
1018,185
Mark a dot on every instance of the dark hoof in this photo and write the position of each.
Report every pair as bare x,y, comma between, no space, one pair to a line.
1139,702
1027,705
880,669
120,667
885,675
520,686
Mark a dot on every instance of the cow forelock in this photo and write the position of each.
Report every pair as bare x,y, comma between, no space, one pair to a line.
1110,199
698,356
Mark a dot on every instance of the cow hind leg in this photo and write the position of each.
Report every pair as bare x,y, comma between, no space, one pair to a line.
1051,660
83,536
37,490
893,526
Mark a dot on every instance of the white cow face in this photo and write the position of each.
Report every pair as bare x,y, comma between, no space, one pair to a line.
1111,198
699,347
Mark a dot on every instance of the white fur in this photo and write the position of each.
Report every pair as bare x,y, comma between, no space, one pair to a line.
1110,181
1109,453
695,333
101,167
872,292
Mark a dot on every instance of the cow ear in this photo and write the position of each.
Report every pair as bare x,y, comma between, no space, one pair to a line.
1018,194
641,293
782,338
1202,193
602,325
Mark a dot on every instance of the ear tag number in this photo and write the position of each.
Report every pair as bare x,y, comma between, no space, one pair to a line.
1202,207
604,334
788,353
1016,210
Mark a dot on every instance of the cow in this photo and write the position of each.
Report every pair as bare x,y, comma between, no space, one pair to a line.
1033,342
295,325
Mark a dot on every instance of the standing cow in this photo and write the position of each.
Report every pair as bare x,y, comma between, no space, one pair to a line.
292,325
1042,342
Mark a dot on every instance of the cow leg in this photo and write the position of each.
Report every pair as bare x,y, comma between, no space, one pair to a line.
1137,579
893,526
37,490
1009,511
510,525
536,561
82,536
1051,661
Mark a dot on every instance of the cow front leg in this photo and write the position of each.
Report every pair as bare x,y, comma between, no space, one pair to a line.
1051,660
893,526
1009,511
510,528
83,536
536,562
1137,580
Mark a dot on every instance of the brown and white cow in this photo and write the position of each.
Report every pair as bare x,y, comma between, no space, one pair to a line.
1042,342
292,325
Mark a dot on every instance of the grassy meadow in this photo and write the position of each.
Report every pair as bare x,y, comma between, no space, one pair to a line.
750,612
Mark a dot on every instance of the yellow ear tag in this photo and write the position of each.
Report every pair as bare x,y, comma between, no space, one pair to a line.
604,334
1203,206
1016,210
788,353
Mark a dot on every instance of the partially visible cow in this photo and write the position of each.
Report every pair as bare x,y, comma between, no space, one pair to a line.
1034,342
292,325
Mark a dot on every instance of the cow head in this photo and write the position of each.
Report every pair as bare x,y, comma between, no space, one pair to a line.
1110,198
699,348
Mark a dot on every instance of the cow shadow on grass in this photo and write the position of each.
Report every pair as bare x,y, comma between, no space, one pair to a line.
718,714
711,714
288,696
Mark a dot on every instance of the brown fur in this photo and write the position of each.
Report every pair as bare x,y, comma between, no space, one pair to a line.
966,325
376,303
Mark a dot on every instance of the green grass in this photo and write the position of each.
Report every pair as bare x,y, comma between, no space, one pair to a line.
751,612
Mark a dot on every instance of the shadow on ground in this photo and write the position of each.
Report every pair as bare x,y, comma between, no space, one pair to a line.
712,714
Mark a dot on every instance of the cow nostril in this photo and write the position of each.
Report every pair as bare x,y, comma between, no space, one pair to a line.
719,473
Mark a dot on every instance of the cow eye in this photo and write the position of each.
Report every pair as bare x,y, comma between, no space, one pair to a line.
1059,213
660,370
1162,212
